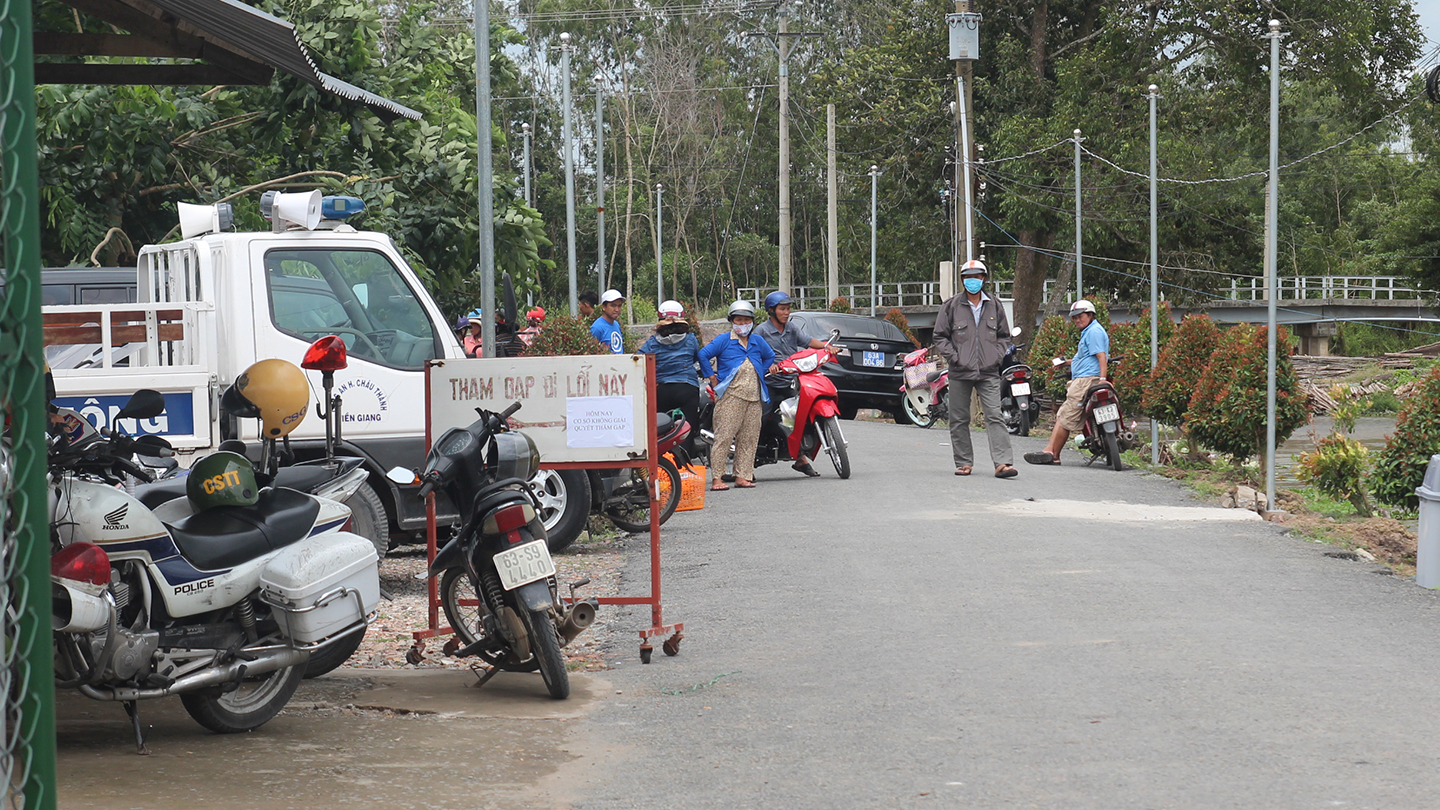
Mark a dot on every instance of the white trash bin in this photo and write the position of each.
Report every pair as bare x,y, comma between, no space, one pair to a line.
1427,551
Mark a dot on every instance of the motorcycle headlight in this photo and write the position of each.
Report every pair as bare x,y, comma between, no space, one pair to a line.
788,409
807,364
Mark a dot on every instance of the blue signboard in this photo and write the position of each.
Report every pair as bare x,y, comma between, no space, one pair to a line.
178,418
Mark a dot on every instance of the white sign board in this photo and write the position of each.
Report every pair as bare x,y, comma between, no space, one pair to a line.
580,408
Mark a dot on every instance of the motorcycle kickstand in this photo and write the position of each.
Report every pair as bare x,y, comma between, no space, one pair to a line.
483,673
134,711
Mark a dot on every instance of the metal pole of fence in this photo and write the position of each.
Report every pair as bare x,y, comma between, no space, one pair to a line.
1272,222
28,749
1154,271
568,143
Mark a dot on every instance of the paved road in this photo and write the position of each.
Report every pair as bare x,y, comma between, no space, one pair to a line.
909,638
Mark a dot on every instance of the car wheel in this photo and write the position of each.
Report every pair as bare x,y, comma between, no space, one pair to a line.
564,504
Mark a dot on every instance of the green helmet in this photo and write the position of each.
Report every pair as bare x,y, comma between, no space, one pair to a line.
222,479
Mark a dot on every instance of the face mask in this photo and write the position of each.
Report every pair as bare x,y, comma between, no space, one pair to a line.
670,340
973,285
742,329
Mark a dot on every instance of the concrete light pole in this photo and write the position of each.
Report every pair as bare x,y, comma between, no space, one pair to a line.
1079,257
525,173
659,244
874,173
600,184
1154,270
1272,222
567,138
485,178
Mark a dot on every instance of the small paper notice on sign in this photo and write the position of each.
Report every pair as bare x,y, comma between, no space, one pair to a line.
600,421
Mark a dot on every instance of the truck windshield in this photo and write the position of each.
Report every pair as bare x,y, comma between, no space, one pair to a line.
356,294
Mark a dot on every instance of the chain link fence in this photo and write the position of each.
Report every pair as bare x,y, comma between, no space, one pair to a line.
27,723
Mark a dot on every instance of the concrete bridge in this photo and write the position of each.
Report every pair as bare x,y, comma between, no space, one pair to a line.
1310,306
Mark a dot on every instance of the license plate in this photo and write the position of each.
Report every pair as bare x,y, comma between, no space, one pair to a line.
1019,389
873,359
524,564
1107,413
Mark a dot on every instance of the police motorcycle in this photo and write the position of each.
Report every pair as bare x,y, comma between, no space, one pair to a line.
220,597
497,579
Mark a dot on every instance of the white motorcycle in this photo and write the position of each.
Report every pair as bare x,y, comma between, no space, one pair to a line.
220,602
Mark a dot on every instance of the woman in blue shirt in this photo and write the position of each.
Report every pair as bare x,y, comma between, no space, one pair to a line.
740,392
677,381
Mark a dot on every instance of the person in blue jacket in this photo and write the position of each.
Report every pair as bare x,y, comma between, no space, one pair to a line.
677,378
606,328
739,390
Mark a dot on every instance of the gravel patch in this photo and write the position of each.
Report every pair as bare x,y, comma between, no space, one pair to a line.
597,555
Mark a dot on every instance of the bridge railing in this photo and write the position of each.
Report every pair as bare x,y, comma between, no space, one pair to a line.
1300,288
887,295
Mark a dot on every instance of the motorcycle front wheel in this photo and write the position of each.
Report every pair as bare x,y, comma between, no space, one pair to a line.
835,446
545,647
1112,452
629,506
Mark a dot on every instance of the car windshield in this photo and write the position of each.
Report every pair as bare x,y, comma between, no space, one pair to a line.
853,327
356,294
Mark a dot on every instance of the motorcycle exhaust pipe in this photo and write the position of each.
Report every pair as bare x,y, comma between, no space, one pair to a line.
580,616
215,676
78,607
1128,436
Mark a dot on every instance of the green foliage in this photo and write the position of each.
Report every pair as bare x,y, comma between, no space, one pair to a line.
840,304
1400,465
1056,337
1177,373
1337,465
1358,339
564,335
898,318
1132,341
1227,411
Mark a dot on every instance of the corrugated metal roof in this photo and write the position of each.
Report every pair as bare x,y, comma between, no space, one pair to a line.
273,41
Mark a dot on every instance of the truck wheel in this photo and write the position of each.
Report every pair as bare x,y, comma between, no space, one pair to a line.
564,504
368,518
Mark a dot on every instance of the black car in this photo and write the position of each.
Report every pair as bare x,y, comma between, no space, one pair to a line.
870,369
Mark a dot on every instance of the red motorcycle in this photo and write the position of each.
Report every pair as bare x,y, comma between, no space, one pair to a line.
803,416
1103,432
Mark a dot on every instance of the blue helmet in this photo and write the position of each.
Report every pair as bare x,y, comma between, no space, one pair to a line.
775,299
475,316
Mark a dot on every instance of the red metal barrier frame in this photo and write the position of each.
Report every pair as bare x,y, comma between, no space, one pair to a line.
675,631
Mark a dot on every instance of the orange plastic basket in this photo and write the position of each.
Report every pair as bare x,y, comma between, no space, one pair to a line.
692,488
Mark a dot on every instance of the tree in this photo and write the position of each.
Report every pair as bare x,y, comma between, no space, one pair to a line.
1177,373
1227,412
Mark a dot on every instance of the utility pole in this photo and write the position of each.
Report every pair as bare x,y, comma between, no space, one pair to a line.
832,210
569,145
525,170
600,183
485,178
874,173
964,27
1154,269
1272,223
1079,264
659,244
783,36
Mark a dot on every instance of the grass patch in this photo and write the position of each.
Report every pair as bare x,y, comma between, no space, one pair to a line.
1313,500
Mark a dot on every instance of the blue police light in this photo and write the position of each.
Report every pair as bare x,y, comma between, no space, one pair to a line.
337,207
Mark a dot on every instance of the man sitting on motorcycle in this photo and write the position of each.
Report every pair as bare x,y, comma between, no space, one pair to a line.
786,340
1088,367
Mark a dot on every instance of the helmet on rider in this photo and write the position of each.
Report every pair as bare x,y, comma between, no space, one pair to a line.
274,390
536,316
974,267
222,479
1082,306
476,317
740,308
670,310
775,299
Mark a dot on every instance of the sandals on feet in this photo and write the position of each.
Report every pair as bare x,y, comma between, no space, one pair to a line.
741,483
1042,457
805,468
719,486
963,469
1006,471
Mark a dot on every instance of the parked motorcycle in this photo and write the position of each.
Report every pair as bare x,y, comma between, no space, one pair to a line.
1103,433
219,597
926,389
802,417
497,579
1018,407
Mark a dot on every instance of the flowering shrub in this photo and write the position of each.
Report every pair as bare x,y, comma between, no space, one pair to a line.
840,304
1183,360
902,323
1056,337
1400,465
564,335
1227,411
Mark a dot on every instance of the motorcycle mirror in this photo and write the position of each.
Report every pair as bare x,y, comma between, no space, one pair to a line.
161,447
834,335
143,404
507,290
403,475
1015,331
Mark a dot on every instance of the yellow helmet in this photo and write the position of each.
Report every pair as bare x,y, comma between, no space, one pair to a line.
279,391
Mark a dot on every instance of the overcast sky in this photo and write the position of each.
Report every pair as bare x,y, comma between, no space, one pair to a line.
1430,18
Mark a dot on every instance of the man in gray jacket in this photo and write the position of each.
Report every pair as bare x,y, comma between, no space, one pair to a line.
971,333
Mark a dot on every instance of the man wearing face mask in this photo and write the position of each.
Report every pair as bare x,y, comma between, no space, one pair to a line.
971,333
786,339
676,350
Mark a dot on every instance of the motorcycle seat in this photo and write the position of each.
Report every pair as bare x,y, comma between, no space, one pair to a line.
166,489
663,423
933,376
225,536
304,477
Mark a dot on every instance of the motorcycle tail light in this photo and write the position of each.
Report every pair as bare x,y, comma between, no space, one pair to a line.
508,519
82,562
1020,375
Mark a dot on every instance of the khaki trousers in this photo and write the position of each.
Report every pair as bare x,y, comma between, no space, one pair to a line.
739,421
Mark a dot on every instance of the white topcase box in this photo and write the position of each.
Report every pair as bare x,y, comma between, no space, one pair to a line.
322,585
